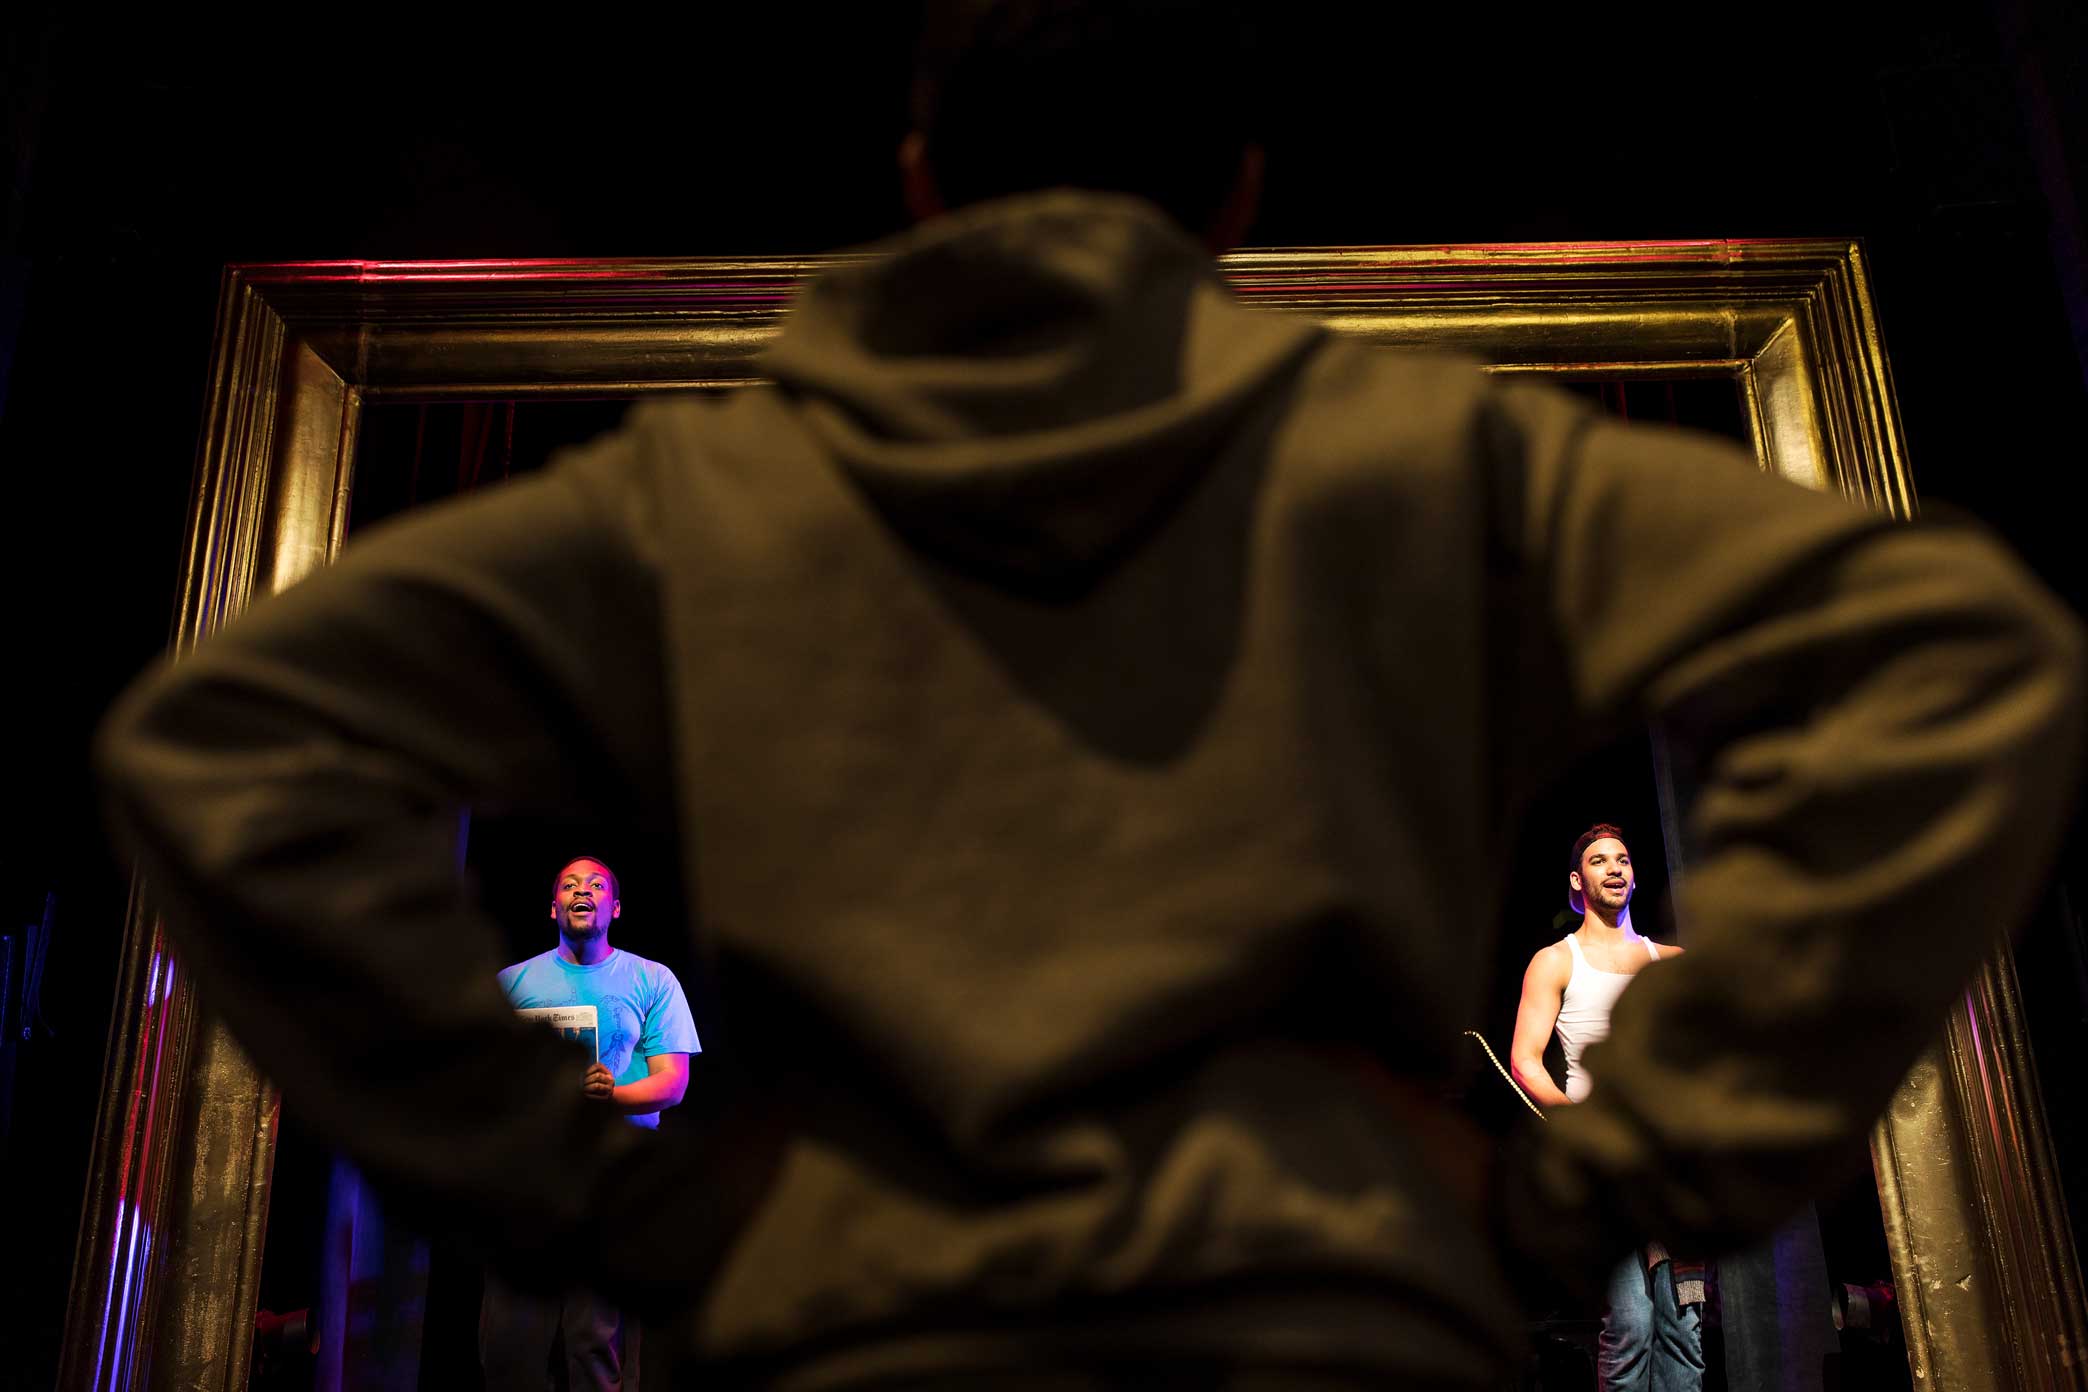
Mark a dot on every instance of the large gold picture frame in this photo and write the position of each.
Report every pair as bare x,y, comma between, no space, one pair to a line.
166,1271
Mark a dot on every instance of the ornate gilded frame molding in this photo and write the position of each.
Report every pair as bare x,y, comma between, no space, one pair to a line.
166,1271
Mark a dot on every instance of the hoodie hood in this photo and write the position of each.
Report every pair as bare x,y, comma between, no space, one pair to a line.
1024,387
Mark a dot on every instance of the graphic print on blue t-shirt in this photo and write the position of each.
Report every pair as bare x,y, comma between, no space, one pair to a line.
640,1007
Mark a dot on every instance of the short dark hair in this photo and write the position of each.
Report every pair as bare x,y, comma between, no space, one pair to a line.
1589,837
1148,97
615,885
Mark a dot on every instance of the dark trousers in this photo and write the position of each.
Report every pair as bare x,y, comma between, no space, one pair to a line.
571,1343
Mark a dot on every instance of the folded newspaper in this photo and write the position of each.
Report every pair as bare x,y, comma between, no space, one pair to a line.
574,1022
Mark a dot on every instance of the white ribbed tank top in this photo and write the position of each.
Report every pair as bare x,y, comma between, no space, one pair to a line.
1584,1011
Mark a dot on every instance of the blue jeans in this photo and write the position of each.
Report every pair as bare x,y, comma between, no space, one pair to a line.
1649,1343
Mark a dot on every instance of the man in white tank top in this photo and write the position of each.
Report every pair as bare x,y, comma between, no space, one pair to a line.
1649,1339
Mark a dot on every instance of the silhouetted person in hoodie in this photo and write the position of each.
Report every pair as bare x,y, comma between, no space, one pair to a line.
1094,715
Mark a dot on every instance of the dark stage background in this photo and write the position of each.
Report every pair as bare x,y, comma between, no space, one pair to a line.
143,154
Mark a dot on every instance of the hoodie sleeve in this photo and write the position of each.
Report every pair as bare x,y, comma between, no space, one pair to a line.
292,788
1879,721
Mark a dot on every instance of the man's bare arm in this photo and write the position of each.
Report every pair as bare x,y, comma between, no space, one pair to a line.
663,1086
1544,986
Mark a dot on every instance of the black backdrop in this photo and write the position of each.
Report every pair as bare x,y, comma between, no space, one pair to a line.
145,153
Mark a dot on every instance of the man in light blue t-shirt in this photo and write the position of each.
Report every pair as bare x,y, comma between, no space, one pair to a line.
645,1036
